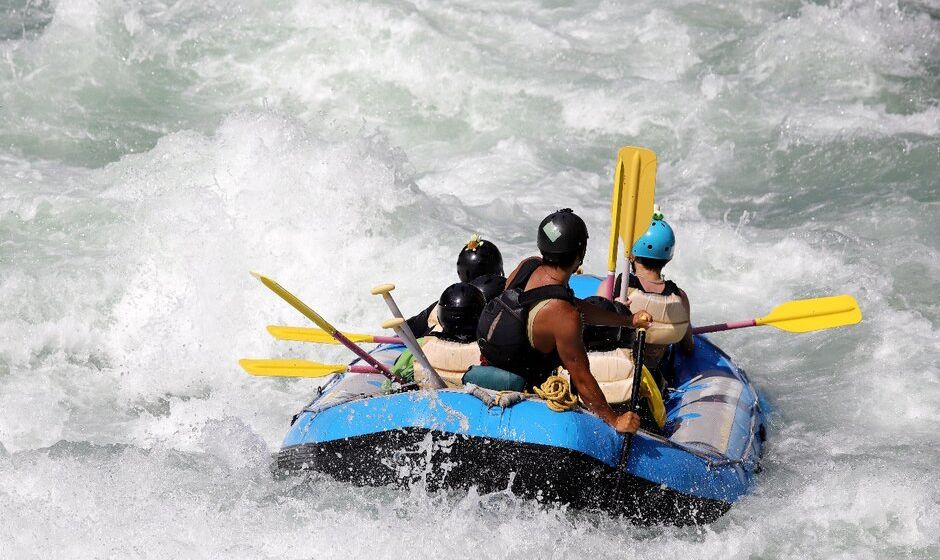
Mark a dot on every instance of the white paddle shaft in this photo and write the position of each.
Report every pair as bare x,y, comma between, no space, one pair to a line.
408,337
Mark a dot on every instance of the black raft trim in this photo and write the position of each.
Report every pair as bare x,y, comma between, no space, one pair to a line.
547,474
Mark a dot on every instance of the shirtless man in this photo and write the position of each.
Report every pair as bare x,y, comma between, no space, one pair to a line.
536,324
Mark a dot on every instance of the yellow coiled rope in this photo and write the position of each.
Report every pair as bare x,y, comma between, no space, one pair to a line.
557,394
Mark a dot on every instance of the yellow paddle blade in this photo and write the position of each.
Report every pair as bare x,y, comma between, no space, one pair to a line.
303,334
814,314
290,368
616,208
636,171
295,302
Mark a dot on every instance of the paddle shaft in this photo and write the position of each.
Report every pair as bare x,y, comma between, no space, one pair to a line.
630,224
718,327
405,334
379,339
616,204
323,324
638,346
415,348
357,350
408,337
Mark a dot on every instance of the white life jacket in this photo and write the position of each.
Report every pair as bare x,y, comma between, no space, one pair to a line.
670,316
450,359
613,371
434,322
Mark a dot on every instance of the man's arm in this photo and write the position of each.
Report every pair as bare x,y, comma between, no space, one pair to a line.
594,315
566,326
419,323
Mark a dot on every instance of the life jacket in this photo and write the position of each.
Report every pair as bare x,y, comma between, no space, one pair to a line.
449,358
613,371
670,317
434,322
503,330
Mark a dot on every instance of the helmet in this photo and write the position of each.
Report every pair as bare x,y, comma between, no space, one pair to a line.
458,311
562,234
601,338
478,257
490,284
658,242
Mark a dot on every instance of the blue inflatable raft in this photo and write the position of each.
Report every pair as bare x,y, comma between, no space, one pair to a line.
703,462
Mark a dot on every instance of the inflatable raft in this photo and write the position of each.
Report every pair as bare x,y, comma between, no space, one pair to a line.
705,460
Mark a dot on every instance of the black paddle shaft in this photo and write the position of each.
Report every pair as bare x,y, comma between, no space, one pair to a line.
638,343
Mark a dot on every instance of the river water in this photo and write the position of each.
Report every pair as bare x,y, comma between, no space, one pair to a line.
152,153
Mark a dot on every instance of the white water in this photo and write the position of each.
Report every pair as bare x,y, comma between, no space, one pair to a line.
152,153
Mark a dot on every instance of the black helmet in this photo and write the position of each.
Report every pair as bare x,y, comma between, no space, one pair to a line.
478,257
598,338
458,311
490,284
562,237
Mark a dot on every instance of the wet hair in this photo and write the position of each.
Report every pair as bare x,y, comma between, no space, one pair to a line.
656,265
563,260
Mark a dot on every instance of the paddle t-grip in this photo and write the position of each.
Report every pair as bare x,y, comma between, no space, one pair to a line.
385,290
382,289
408,337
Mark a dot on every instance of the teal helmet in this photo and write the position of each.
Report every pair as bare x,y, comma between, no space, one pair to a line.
658,242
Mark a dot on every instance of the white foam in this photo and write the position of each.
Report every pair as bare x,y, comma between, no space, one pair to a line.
337,146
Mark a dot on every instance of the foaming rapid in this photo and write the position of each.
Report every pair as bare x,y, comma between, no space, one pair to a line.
151,155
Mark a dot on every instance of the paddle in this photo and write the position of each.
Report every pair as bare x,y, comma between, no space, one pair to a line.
616,208
320,336
309,313
800,316
298,368
638,344
631,208
403,331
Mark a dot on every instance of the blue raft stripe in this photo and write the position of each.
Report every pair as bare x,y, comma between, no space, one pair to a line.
459,413
529,422
584,285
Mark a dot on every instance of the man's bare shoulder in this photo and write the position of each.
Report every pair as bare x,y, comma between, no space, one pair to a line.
512,275
561,313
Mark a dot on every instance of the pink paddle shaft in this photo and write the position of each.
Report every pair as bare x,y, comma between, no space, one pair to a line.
383,369
363,369
718,327
387,340
607,286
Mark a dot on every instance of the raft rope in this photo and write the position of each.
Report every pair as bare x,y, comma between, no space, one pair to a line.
502,399
557,394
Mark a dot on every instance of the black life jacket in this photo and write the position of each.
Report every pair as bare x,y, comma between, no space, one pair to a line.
669,289
634,282
503,334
